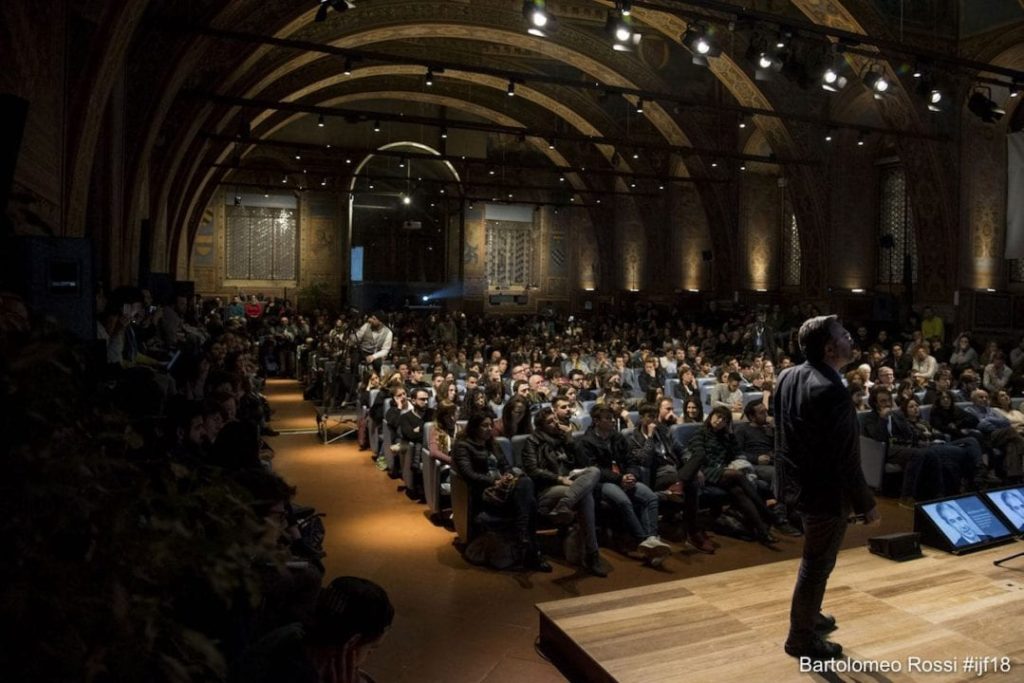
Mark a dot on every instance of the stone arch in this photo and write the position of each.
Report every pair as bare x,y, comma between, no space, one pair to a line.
200,197
932,191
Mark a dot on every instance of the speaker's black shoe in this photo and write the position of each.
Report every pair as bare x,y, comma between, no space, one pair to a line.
817,649
825,623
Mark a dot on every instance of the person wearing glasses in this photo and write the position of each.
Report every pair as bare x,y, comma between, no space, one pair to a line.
818,473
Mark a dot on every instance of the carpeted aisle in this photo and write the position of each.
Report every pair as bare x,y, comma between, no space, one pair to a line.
456,622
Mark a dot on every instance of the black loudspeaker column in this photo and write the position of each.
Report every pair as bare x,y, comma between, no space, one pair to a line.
161,288
54,275
15,110
185,288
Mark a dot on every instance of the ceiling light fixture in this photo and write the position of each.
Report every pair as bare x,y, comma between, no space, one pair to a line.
624,38
698,41
511,89
981,105
336,5
874,78
539,22
320,121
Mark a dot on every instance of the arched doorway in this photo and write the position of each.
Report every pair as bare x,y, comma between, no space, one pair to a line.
403,217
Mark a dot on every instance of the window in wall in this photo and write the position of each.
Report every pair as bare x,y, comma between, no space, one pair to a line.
791,257
509,249
261,243
895,227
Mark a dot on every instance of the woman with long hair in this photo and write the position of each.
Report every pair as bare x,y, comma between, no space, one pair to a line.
515,418
477,459
713,449
693,411
442,437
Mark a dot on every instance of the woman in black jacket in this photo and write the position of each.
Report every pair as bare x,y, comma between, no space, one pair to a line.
712,449
950,419
479,461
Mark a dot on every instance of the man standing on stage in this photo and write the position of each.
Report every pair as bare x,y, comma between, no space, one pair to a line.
817,451
374,340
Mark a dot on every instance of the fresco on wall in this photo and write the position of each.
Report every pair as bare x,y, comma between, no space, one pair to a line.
203,251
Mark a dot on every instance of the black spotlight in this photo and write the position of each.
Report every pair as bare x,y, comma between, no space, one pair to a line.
698,40
982,106
336,5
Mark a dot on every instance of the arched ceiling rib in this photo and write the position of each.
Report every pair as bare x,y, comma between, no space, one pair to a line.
734,78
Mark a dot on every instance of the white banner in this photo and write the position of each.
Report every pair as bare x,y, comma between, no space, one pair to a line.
1014,196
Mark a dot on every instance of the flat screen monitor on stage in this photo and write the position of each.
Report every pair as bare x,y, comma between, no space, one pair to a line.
960,524
1009,503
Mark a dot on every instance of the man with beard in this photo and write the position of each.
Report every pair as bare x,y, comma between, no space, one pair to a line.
817,456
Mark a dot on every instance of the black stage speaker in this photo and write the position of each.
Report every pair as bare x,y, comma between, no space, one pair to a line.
15,111
161,287
185,288
55,277
899,547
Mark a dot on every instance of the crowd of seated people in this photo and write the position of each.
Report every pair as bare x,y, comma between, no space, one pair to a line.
602,403
179,508
564,385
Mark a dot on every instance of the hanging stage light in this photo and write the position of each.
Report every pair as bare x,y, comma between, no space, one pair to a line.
428,79
539,22
511,89
981,105
624,38
874,78
832,79
640,106
347,67
320,121
336,5
697,40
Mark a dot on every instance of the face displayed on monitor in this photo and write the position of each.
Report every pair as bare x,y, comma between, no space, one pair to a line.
1011,503
965,521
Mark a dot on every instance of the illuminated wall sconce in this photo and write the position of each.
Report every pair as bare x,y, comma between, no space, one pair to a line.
693,291
588,289
760,289
857,290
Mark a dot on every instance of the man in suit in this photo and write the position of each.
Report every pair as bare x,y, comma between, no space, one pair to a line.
955,518
817,457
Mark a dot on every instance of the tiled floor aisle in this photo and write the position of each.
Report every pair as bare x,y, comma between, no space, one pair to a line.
456,623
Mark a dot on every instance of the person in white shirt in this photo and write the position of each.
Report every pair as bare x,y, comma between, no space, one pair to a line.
374,340
924,366
997,374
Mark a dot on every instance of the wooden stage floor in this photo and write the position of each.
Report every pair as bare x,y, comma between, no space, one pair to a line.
939,610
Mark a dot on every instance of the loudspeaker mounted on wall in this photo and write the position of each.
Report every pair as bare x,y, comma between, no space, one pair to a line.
54,276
